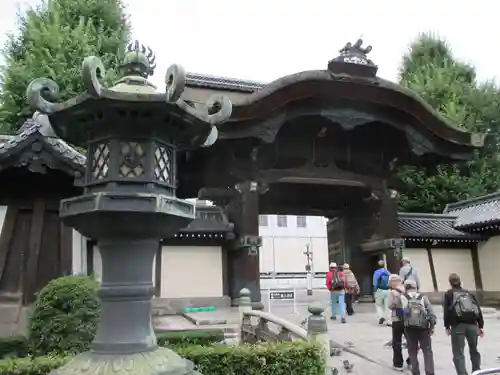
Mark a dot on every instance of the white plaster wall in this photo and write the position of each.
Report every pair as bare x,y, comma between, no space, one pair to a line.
420,261
79,254
489,262
459,261
97,264
191,271
283,247
267,255
3,212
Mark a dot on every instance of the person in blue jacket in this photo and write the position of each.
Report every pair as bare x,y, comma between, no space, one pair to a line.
381,288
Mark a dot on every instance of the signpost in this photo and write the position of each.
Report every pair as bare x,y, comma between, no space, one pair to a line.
309,274
283,295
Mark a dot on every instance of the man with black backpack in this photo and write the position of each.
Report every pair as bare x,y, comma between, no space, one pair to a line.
463,320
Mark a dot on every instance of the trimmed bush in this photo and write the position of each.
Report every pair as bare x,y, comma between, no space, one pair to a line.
286,358
65,316
183,338
13,346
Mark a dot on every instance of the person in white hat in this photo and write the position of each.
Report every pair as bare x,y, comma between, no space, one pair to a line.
336,284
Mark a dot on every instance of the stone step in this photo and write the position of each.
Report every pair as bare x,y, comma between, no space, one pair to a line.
9,313
179,323
210,318
10,298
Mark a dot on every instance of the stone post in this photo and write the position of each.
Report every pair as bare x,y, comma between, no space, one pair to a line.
317,330
245,305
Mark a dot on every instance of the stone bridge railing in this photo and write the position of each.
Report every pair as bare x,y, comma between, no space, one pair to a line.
257,326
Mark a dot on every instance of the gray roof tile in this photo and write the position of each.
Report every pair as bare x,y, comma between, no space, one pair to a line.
13,146
432,226
222,83
475,212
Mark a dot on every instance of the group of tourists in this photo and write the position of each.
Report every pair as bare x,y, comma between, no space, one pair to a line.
401,305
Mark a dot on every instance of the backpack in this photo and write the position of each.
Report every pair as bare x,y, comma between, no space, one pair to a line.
464,305
383,281
415,315
337,283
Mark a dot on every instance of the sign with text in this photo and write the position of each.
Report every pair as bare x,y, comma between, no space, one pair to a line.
288,295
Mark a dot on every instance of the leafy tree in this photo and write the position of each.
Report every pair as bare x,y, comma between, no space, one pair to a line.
451,87
52,41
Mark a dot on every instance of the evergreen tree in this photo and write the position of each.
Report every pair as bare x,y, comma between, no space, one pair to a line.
52,41
451,87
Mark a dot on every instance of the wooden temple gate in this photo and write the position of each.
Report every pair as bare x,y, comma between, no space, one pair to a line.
321,142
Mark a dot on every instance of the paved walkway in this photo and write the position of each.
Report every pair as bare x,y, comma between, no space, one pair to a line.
369,338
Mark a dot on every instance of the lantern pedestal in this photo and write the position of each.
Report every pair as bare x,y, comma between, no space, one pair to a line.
128,228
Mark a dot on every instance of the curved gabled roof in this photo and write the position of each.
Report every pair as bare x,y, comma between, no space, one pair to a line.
349,82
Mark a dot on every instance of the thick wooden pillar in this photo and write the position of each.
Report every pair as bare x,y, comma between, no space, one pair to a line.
432,267
388,227
353,223
241,206
371,232
477,272
243,258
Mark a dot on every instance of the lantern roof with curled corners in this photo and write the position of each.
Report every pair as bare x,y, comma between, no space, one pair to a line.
134,94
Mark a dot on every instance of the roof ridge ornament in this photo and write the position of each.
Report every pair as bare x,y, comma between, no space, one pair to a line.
139,60
353,61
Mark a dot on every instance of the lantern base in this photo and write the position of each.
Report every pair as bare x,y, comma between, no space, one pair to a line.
161,361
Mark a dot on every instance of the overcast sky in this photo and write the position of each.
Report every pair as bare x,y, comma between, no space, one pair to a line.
265,39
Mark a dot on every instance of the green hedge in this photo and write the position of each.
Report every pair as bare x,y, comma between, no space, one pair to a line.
286,358
182,338
15,346
30,365
18,346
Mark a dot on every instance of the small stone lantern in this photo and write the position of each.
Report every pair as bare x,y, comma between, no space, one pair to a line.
132,134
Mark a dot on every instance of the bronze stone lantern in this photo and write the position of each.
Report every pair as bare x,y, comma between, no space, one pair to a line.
132,134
